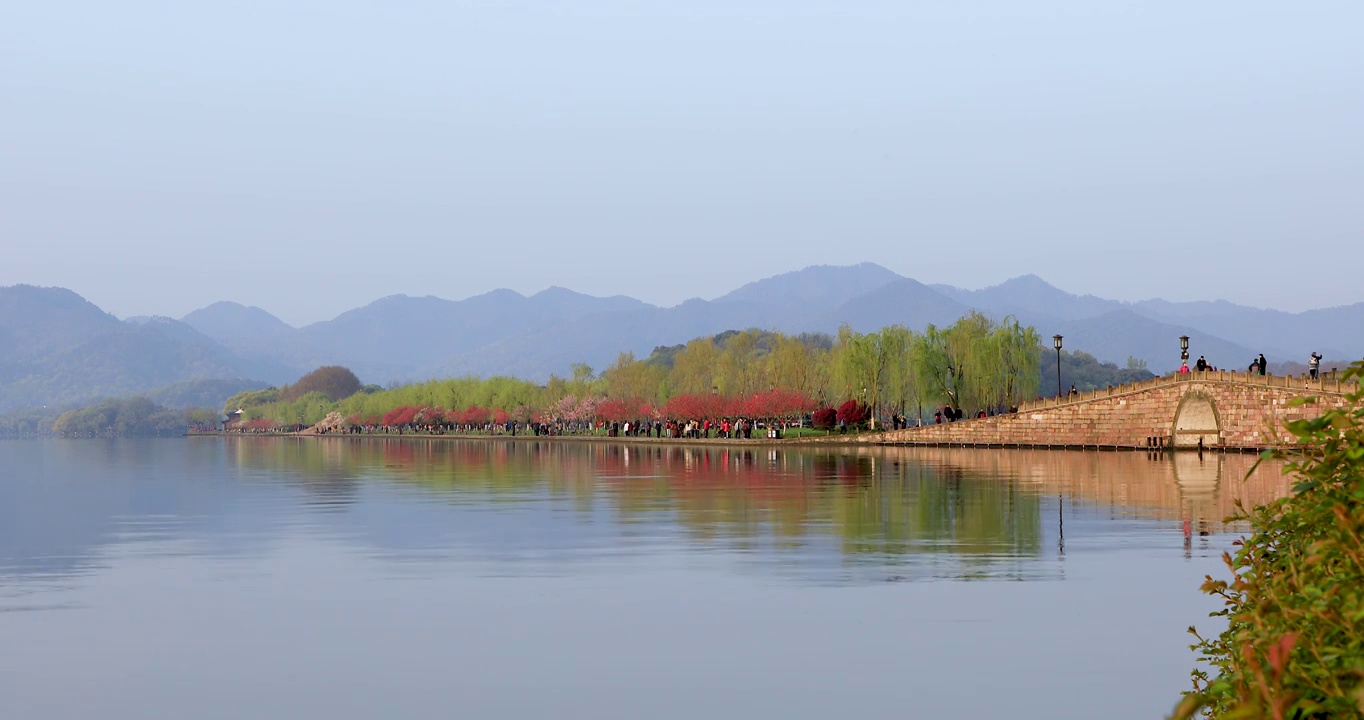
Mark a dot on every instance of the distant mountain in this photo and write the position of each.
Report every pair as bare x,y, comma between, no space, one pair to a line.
814,286
401,337
236,325
55,347
1032,296
36,322
58,349
902,302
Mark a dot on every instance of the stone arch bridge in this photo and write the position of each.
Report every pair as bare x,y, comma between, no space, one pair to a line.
1217,410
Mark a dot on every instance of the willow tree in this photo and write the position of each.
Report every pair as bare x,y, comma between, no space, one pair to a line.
900,381
976,364
583,382
936,370
630,379
1016,363
863,362
694,368
795,365
740,364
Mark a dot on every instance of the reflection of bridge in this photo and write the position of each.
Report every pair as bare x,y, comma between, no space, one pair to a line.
1211,409
1200,488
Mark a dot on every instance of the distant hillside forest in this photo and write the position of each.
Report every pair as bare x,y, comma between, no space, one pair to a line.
975,365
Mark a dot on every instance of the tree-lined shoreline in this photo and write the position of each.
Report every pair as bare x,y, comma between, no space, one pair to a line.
975,365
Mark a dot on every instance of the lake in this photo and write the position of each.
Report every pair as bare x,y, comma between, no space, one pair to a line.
359,578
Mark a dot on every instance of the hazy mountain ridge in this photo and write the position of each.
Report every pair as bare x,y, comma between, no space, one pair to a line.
56,347
827,284
1031,295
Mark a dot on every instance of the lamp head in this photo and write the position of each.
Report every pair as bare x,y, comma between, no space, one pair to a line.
1057,340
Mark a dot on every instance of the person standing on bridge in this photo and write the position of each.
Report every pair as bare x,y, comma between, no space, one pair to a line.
1314,364
1260,363
1201,365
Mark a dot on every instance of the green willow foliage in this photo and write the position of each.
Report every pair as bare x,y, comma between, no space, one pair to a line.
1294,643
976,363
894,370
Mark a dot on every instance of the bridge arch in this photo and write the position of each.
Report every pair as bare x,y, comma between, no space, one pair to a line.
1196,418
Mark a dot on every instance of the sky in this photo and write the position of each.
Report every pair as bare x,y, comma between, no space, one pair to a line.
309,157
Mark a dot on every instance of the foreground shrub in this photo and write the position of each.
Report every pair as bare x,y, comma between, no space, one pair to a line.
1294,643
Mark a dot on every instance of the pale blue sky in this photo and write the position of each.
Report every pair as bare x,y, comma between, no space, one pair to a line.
309,157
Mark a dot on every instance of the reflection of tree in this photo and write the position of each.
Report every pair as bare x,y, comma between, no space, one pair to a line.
914,508
727,495
885,503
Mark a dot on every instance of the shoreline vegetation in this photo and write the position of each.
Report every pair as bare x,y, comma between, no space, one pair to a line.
735,383
894,377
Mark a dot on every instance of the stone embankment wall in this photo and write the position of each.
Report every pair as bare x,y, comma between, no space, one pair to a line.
1223,409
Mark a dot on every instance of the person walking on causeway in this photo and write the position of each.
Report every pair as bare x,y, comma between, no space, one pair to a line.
1260,363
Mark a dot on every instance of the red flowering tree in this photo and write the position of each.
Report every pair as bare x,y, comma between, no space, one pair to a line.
617,410
791,405
853,412
473,415
404,415
824,418
687,407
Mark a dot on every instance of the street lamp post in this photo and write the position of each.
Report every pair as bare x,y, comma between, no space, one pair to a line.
1056,340
1184,348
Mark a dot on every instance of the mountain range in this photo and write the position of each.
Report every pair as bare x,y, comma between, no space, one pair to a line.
57,348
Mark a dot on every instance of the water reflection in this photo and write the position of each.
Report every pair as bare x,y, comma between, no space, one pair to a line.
532,579
842,516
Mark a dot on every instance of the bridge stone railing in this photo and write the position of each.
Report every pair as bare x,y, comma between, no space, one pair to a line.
1327,383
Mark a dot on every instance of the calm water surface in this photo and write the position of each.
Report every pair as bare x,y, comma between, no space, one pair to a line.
287,578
